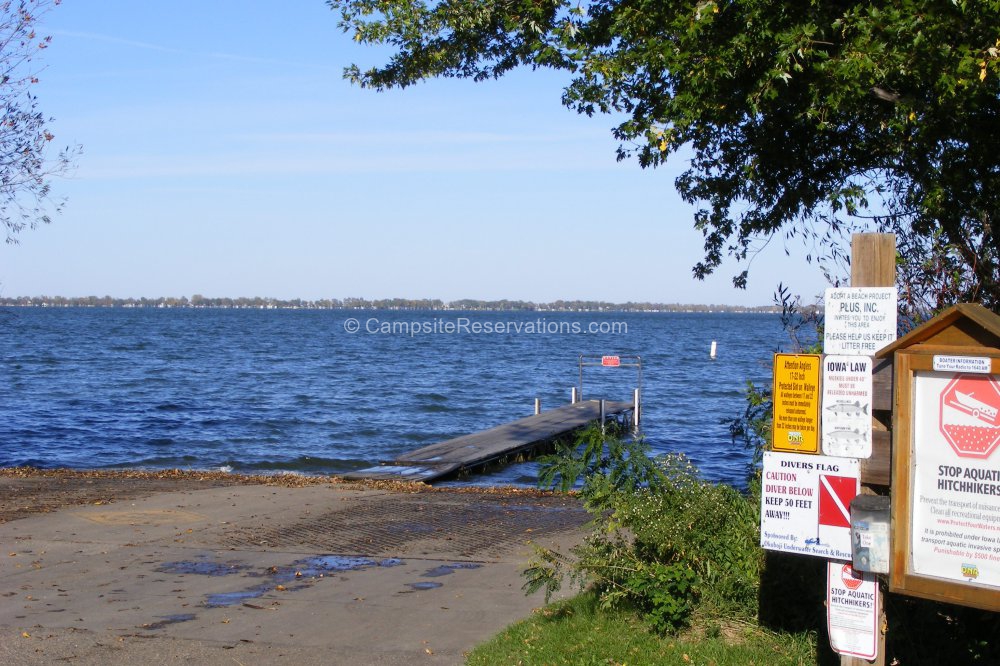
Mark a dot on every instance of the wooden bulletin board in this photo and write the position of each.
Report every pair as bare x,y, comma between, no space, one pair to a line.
946,475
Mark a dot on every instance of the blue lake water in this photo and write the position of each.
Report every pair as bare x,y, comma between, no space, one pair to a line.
292,390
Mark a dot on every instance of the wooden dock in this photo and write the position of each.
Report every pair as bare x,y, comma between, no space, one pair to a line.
487,446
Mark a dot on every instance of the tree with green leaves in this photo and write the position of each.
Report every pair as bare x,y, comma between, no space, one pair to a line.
801,119
26,160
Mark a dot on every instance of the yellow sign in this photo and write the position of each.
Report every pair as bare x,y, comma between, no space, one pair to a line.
796,403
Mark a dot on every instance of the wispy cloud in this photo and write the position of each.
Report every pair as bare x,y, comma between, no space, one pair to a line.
118,40
235,166
160,48
408,137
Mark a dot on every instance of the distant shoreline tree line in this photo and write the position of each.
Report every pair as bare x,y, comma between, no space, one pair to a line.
264,303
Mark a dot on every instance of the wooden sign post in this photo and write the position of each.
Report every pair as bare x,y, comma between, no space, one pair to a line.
873,264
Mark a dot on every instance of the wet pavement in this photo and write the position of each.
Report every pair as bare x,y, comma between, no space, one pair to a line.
253,574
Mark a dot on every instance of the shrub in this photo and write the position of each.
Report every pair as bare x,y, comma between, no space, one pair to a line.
663,540
603,461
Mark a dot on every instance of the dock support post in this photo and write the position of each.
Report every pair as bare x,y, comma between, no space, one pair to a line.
636,409
602,416
574,395
538,406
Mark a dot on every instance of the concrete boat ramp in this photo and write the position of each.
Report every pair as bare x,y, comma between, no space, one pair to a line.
252,575
518,437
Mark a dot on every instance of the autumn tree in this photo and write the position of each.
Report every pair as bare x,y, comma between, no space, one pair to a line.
803,119
27,163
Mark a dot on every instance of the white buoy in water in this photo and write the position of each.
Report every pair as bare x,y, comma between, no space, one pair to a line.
712,353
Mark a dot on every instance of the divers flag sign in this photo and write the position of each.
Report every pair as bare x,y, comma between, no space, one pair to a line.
805,504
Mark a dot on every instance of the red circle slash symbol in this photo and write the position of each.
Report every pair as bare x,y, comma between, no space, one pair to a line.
852,579
970,415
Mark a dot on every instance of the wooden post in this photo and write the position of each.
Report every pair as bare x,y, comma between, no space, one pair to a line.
873,264
574,397
538,406
873,260
636,409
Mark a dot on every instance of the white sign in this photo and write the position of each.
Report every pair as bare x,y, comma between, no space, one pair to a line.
980,364
847,406
805,504
859,320
955,530
852,610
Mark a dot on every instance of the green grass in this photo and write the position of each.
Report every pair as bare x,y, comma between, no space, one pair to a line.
578,632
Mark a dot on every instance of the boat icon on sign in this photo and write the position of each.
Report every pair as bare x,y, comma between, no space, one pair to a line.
970,405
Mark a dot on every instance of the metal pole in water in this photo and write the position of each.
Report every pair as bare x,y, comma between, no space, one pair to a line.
636,409
712,353
574,395
538,406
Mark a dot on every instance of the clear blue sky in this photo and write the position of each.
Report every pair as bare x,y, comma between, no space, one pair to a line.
225,155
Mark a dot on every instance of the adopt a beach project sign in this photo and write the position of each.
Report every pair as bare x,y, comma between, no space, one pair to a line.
805,504
859,320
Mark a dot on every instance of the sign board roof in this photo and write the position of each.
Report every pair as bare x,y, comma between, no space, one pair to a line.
961,325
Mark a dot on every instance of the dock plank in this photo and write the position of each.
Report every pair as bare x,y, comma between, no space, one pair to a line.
444,458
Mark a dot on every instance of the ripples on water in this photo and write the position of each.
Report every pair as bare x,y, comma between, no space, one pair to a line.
290,390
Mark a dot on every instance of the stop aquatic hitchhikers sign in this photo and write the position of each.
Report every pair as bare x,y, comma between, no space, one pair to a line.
852,610
955,487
